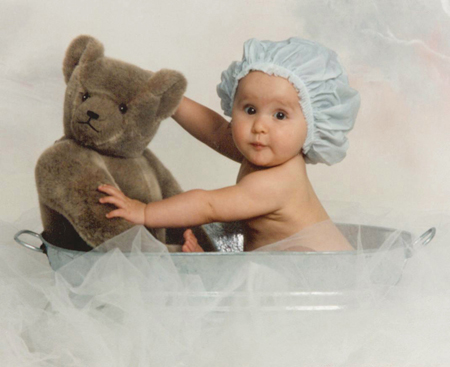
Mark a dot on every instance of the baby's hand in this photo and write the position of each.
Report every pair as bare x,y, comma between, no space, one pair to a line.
129,209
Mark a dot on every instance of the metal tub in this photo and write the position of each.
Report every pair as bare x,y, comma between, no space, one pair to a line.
307,280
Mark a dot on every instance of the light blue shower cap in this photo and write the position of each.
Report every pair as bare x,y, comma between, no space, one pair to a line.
329,104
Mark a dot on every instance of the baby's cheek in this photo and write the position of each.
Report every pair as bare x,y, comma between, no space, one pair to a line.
291,147
236,134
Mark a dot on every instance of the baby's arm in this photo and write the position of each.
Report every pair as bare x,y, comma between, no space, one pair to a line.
247,199
208,127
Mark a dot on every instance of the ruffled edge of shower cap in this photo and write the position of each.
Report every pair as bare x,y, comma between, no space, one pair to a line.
328,103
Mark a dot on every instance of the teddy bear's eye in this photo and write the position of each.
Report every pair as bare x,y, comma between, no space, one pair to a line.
123,108
85,96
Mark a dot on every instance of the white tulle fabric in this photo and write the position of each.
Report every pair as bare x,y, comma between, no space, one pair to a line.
150,308
329,104
321,236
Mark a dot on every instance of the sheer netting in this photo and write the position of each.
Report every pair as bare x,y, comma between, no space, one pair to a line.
383,304
322,236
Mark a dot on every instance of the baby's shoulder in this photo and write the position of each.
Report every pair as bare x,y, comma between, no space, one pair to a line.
290,171
282,178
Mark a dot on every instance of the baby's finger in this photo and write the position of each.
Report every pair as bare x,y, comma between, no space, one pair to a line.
112,200
118,213
111,190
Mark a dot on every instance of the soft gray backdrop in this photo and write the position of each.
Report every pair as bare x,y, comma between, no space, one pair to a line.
396,52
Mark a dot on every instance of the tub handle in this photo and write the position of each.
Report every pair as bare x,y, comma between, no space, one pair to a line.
423,240
27,245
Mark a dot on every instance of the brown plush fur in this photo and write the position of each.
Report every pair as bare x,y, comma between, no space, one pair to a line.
103,144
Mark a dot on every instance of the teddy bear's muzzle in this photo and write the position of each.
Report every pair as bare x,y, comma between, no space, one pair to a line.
92,116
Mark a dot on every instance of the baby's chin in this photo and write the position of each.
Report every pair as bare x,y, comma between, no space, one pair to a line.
274,162
266,164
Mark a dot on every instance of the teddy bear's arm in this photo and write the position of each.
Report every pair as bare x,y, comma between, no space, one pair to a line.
67,177
169,186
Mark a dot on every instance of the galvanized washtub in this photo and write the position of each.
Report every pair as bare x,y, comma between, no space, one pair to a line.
309,280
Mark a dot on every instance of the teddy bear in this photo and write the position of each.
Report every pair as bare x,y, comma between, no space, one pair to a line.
112,110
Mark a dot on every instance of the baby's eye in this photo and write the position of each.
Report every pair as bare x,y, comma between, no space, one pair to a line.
85,96
280,115
250,110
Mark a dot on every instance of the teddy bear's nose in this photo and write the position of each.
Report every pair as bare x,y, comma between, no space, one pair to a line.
93,115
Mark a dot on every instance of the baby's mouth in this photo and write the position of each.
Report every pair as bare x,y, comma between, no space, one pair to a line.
257,145
88,122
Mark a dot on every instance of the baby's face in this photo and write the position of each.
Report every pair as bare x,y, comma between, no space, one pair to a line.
268,125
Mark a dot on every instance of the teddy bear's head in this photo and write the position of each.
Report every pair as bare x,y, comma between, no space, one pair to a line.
113,107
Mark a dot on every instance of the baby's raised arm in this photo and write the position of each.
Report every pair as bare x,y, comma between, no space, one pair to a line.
208,127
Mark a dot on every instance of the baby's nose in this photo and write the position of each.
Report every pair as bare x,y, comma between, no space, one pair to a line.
259,125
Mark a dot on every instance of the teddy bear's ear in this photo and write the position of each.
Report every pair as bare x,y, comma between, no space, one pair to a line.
81,49
170,86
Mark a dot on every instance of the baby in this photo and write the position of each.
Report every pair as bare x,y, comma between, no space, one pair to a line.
290,104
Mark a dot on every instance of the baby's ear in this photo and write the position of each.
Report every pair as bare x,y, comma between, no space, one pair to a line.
169,86
82,49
